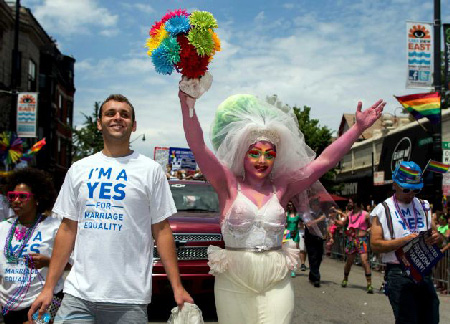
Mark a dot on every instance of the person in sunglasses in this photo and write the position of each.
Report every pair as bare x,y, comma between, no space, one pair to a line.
395,222
261,163
26,240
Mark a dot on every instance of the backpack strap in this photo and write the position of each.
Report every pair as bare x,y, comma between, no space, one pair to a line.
422,203
387,211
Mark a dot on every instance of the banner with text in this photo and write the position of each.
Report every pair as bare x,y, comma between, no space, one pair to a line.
181,159
27,114
419,55
447,55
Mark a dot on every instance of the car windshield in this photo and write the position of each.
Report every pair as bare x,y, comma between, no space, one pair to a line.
199,197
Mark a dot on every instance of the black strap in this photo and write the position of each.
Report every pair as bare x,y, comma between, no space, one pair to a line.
387,211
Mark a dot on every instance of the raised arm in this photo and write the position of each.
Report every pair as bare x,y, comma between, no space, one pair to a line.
217,174
336,151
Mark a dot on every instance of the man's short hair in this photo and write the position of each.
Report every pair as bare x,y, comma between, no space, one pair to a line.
119,98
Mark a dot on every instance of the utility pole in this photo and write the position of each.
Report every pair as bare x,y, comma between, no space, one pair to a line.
15,70
437,129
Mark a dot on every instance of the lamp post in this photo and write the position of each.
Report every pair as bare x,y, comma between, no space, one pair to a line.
137,137
437,129
15,69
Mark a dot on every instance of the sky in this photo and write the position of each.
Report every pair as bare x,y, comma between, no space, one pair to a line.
325,54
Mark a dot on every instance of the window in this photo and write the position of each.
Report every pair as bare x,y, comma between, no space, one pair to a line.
69,106
31,76
60,107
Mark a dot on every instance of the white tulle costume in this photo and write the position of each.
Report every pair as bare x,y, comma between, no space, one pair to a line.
252,286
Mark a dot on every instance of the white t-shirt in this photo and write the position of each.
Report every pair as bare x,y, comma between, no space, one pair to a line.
400,228
115,201
12,275
5,211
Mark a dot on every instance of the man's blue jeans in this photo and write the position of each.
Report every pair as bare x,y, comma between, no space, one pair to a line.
412,303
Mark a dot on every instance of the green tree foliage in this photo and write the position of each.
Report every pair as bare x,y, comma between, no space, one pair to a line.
87,140
316,137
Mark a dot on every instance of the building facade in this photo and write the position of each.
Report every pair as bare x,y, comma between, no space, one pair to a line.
366,171
43,69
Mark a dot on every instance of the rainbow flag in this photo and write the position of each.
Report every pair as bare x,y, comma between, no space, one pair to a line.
423,105
437,167
33,150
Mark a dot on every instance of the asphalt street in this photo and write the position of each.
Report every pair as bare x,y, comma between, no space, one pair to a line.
330,303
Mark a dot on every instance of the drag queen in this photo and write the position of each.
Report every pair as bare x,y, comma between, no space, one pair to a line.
261,162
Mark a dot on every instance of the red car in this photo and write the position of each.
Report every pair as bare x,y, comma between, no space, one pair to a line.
195,226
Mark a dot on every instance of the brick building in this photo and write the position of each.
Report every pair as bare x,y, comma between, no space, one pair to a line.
43,69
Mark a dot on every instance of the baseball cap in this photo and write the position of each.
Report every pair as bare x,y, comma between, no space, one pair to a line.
408,175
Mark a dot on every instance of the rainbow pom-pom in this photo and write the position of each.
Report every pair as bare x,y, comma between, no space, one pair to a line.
183,42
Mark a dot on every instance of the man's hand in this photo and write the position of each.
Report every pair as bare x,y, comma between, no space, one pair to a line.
39,260
182,296
434,238
41,303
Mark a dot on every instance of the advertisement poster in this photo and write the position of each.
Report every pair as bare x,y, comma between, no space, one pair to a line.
418,258
27,114
181,159
419,55
447,55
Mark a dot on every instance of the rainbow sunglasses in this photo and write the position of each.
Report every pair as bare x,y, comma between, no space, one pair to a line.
22,196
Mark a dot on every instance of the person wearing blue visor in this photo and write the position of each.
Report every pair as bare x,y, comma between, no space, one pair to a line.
395,222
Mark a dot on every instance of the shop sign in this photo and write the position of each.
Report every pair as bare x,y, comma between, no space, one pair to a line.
378,178
350,189
402,152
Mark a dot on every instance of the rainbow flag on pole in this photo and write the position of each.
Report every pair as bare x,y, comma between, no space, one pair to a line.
437,167
423,105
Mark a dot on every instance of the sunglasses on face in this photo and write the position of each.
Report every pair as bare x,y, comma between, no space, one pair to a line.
407,191
22,196
269,155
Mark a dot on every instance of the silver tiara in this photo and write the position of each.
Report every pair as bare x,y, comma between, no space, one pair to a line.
264,135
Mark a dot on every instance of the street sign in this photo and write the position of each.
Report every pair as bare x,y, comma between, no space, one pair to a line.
378,178
446,156
446,145
446,184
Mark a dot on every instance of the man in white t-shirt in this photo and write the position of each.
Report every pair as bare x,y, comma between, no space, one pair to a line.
113,204
395,222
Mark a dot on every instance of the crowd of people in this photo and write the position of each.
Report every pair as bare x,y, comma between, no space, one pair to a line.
265,176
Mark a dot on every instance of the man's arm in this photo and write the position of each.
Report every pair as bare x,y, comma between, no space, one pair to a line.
166,248
379,244
64,243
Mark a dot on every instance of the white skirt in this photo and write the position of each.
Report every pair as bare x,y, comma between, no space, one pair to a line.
253,288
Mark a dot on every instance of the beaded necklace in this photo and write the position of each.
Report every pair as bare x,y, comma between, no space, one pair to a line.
11,256
397,208
357,217
20,233
19,294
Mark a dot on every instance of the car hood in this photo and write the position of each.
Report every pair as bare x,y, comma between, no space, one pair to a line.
189,222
